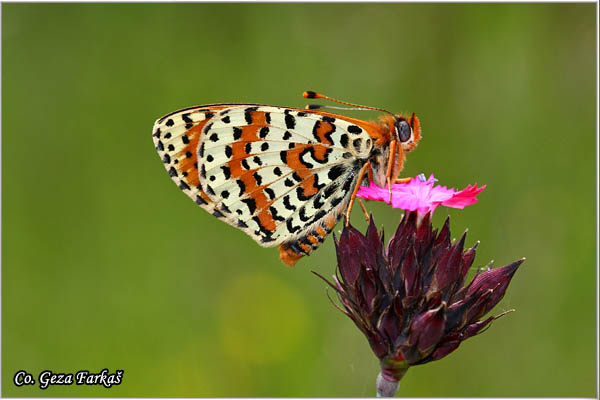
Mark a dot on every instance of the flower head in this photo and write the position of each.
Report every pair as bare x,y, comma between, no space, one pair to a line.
409,298
420,194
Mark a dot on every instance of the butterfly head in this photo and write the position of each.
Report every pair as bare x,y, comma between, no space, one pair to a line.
408,132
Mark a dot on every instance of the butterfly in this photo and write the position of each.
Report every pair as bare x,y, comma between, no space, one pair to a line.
283,175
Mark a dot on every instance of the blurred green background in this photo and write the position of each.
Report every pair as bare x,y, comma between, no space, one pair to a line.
106,264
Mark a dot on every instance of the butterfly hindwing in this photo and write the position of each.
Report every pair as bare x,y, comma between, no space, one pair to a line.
176,138
282,170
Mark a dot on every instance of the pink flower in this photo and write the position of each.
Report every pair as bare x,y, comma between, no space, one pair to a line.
420,194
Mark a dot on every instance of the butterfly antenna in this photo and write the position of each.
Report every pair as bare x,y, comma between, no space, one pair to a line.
314,95
318,106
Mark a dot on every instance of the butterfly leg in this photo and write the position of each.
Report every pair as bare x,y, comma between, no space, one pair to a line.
361,175
403,180
364,209
390,167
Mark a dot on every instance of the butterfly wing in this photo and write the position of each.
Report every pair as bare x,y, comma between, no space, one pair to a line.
176,137
282,175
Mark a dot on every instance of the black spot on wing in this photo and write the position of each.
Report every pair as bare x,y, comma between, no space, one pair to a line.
348,184
237,133
319,215
275,214
296,177
330,190
311,150
257,178
300,194
337,201
226,171
251,203
200,201
218,214
318,202
290,121
183,185
344,140
267,239
248,114
290,227
335,172
302,215
354,129
210,190
287,204
261,229
242,187
270,192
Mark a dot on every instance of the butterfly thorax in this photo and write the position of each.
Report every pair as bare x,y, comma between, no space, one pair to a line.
379,158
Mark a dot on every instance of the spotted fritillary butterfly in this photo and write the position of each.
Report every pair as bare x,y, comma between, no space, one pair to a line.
283,175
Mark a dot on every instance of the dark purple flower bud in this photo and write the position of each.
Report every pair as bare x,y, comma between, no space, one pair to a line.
428,328
408,297
495,280
449,268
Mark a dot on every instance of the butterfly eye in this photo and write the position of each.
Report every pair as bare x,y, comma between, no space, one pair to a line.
404,131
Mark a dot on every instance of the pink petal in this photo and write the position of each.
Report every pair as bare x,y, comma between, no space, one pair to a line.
421,194
465,197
